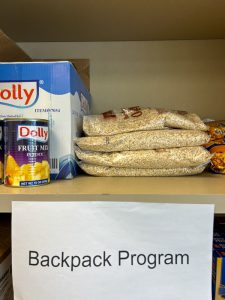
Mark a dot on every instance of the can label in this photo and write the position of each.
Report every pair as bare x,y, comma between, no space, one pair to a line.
26,153
1,153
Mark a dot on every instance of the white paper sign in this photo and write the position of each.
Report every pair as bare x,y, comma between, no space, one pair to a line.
111,251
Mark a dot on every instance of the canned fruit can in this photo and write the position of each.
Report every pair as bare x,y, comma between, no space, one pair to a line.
1,153
26,161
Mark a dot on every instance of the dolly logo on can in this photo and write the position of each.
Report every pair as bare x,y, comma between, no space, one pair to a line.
39,133
20,94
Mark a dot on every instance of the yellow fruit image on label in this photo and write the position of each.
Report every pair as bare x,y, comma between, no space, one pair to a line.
1,171
16,175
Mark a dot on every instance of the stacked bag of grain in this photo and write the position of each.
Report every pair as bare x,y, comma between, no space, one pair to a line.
143,142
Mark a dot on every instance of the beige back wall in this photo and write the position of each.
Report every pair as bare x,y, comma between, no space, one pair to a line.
186,75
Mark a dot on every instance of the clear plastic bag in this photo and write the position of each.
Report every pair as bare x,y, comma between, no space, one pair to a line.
136,118
128,172
148,159
144,140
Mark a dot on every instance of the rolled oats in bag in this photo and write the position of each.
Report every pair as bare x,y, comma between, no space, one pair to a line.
144,140
136,118
216,146
184,120
148,159
112,171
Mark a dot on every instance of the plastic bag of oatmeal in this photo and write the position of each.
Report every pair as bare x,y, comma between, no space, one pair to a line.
148,159
144,140
112,171
136,118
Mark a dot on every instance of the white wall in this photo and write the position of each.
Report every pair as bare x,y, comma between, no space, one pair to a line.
187,75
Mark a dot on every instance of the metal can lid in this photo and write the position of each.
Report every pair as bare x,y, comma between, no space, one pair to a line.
24,119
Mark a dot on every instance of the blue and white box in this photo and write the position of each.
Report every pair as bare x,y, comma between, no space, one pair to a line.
47,90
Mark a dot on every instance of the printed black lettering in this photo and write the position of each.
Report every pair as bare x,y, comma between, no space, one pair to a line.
160,255
33,258
73,260
64,261
106,259
52,261
151,261
45,261
181,256
86,261
141,259
94,261
123,255
132,258
168,259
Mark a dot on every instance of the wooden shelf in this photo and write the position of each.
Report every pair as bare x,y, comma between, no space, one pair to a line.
205,188
112,20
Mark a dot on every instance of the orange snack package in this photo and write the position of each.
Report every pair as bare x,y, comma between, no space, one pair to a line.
216,146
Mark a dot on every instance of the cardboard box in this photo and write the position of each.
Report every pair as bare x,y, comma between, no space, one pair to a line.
47,90
9,51
6,290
